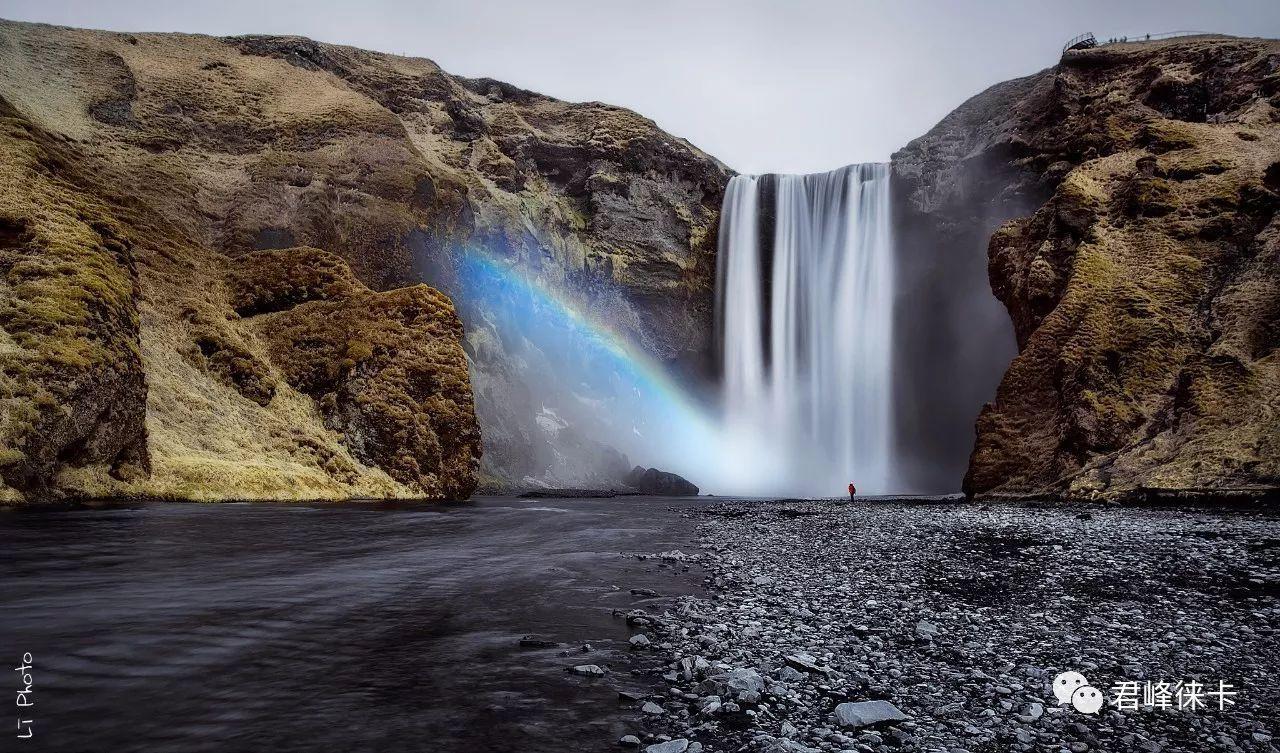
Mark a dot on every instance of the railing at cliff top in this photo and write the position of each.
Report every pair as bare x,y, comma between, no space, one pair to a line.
1088,41
1082,42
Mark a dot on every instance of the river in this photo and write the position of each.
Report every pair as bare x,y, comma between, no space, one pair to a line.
330,627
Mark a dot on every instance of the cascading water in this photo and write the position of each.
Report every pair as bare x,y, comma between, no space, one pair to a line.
805,317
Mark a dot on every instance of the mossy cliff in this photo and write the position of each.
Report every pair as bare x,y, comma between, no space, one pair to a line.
138,361
213,252
72,379
1139,260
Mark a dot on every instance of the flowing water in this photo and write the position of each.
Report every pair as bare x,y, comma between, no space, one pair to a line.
804,306
329,627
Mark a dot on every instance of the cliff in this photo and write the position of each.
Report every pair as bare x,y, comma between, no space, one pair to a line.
269,268
1137,252
214,250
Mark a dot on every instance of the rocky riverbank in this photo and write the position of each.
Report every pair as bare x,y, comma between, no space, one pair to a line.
940,627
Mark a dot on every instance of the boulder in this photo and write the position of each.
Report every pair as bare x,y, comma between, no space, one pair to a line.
787,746
805,663
926,630
863,713
660,483
679,745
739,681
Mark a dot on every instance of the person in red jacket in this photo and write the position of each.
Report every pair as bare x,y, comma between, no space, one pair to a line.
852,491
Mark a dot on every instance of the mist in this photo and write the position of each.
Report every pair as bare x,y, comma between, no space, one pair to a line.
599,404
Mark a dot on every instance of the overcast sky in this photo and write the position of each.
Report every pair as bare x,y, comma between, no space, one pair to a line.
765,86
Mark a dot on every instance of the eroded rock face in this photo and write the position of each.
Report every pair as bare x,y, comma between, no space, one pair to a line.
951,189
386,369
212,152
71,378
1145,290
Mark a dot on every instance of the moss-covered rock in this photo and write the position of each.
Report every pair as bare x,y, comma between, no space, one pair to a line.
1145,289
72,391
386,369
134,360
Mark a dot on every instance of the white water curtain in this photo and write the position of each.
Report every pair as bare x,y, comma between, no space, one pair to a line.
807,351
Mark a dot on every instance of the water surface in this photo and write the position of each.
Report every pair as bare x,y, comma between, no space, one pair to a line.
329,627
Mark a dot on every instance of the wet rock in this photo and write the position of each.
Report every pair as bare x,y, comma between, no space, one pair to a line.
587,670
863,713
805,663
787,746
679,745
741,680
661,483
791,674
926,629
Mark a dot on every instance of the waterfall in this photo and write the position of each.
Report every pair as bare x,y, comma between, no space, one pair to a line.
804,299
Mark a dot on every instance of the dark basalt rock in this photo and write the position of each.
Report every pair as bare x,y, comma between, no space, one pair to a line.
661,483
572,494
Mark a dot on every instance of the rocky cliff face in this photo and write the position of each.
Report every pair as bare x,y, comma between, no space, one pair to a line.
1144,282
953,340
212,251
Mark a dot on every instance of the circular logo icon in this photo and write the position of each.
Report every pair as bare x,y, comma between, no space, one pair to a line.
1087,699
1067,683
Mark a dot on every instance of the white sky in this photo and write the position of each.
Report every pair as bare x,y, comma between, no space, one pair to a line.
765,86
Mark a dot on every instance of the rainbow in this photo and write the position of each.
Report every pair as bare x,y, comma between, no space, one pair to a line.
655,421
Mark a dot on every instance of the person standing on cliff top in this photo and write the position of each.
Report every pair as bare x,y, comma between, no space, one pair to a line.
852,491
